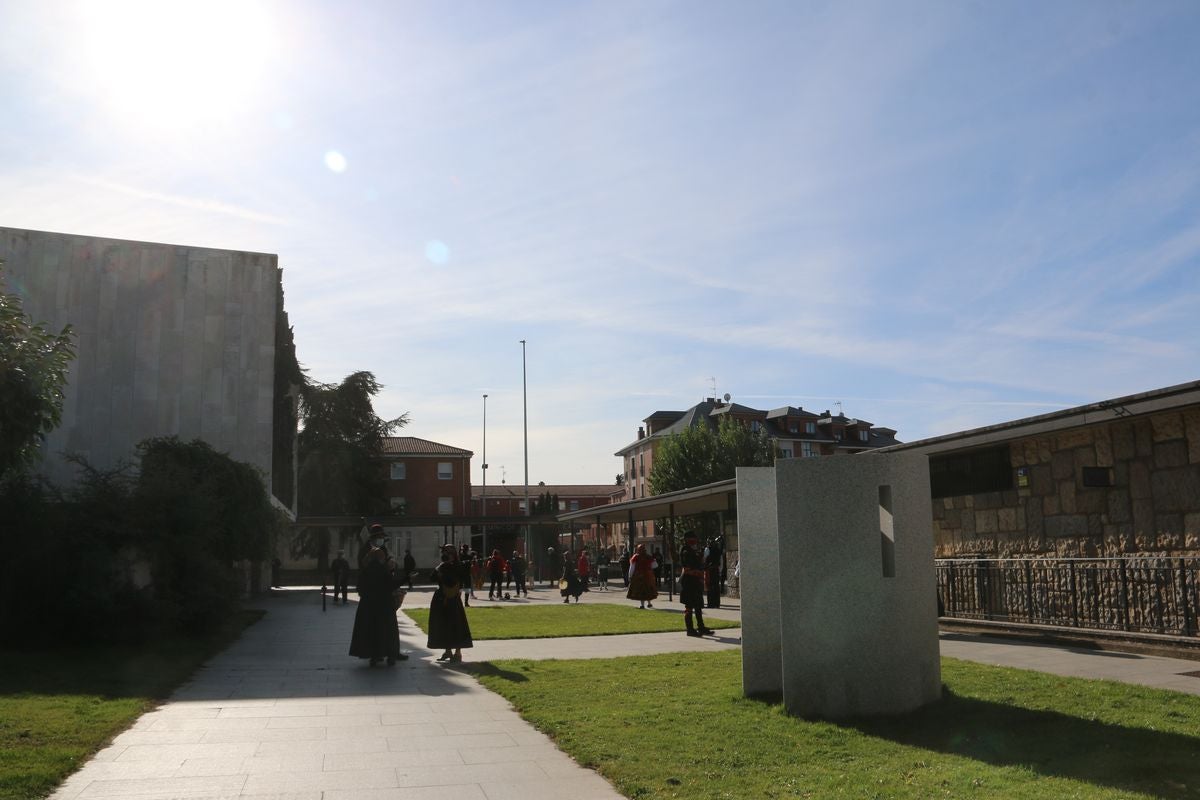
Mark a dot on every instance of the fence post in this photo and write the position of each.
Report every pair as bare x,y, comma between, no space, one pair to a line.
1074,595
1185,601
1029,589
1124,594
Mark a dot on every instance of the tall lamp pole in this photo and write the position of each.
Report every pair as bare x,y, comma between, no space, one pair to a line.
525,418
483,513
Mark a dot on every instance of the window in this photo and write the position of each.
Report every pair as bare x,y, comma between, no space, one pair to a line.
521,505
445,470
562,505
755,426
807,450
810,427
793,427
785,452
573,505
445,505
399,471
979,471
1097,476
864,436
398,503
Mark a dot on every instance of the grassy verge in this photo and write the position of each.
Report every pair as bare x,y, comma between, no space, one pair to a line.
539,622
676,726
58,707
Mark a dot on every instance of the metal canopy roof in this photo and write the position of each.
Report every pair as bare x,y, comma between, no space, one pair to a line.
719,496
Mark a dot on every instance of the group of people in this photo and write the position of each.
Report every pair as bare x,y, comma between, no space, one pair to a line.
460,571
376,636
501,574
695,580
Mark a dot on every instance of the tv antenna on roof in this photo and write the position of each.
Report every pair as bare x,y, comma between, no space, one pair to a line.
838,403
714,385
727,397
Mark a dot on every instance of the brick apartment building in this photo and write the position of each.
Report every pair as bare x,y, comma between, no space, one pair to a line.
425,480
797,433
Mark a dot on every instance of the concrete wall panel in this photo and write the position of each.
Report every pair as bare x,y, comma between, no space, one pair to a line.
172,340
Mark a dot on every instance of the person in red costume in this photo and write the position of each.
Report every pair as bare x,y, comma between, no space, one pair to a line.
585,569
641,578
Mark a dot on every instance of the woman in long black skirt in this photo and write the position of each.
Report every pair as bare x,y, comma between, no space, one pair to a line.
448,628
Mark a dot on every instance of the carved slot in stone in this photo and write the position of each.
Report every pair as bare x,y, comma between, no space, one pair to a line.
887,532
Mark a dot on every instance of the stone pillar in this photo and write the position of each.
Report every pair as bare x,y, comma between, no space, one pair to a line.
839,608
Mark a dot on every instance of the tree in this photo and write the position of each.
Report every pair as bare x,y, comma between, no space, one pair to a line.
339,448
699,455
33,372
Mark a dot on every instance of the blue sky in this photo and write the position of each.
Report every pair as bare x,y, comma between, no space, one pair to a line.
943,215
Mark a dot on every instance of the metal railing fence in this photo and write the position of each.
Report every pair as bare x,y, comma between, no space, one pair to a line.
1134,594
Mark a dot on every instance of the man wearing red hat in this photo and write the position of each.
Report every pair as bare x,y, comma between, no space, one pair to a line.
691,585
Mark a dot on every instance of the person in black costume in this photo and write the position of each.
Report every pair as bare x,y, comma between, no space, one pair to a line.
691,585
517,567
569,584
340,571
448,628
376,636
410,566
712,571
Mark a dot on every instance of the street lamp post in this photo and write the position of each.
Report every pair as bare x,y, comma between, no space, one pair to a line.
525,419
483,512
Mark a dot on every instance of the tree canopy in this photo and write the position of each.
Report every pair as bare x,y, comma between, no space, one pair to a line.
700,455
339,445
339,448
33,371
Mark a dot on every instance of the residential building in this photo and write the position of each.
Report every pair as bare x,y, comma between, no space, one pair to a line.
426,481
797,433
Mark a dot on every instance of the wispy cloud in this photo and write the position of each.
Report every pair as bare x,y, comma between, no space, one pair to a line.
205,205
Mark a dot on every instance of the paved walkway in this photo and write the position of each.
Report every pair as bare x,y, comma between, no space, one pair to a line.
285,714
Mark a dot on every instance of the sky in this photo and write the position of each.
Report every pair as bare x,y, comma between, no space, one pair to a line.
942,215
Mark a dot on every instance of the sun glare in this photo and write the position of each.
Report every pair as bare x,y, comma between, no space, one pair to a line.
172,63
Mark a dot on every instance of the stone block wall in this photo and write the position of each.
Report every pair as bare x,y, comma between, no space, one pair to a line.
1152,508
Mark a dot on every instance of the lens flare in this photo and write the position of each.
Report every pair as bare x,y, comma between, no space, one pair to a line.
335,161
437,252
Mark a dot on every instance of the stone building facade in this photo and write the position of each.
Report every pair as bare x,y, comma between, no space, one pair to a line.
1116,478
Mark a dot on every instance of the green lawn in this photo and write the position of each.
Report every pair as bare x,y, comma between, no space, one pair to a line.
540,622
57,707
676,726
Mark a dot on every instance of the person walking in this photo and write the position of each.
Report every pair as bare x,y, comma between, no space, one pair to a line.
410,566
375,636
640,578
584,567
691,585
448,626
658,567
712,571
517,567
568,584
602,569
624,562
463,565
339,570
496,567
